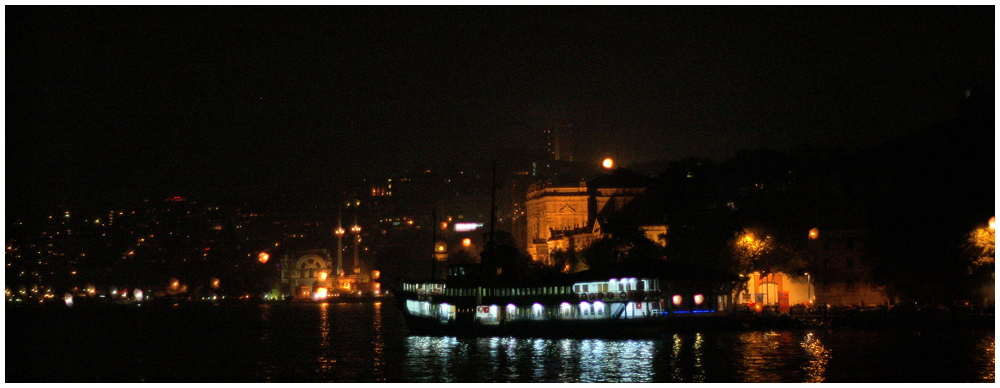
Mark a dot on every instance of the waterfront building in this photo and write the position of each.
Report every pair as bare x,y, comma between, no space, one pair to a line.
312,275
841,276
569,217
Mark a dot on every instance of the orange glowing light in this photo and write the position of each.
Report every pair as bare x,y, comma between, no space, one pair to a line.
993,224
444,226
215,283
263,257
813,233
608,163
320,293
467,242
321,276
376,274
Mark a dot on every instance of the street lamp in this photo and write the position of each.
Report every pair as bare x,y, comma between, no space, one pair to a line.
813,236
808,288
608,163
441,251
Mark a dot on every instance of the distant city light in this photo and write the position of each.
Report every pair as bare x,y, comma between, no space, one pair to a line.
677,299
993,224
322,276
699,299
68,298
813,233
376,274
608,163
466,242
263,257
138,295
467,226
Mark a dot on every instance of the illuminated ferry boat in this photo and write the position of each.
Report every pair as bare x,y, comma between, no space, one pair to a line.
627,301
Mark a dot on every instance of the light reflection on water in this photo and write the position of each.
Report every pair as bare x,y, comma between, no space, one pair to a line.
987,347
325,361
820,355
687,357
506,359
341,342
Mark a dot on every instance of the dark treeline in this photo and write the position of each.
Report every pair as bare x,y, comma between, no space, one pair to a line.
916,199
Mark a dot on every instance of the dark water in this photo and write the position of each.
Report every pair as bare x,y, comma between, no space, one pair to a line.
368,343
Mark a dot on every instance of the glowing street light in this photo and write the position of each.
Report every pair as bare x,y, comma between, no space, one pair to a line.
321,293
466,242
608,163
813,233
263,257
321,276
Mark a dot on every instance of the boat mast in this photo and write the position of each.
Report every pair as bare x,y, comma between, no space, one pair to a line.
434,218
493,213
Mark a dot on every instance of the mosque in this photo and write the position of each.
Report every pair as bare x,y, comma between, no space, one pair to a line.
312,274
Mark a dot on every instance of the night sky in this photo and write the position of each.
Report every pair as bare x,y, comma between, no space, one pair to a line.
127,103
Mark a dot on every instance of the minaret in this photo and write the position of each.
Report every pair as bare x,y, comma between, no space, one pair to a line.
339,232
356,229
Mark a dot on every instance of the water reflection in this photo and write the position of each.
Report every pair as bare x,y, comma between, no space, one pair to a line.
505,359
987,347
699,370
769,357
675,359
378,344
267,368
820,355
786,356
326,363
